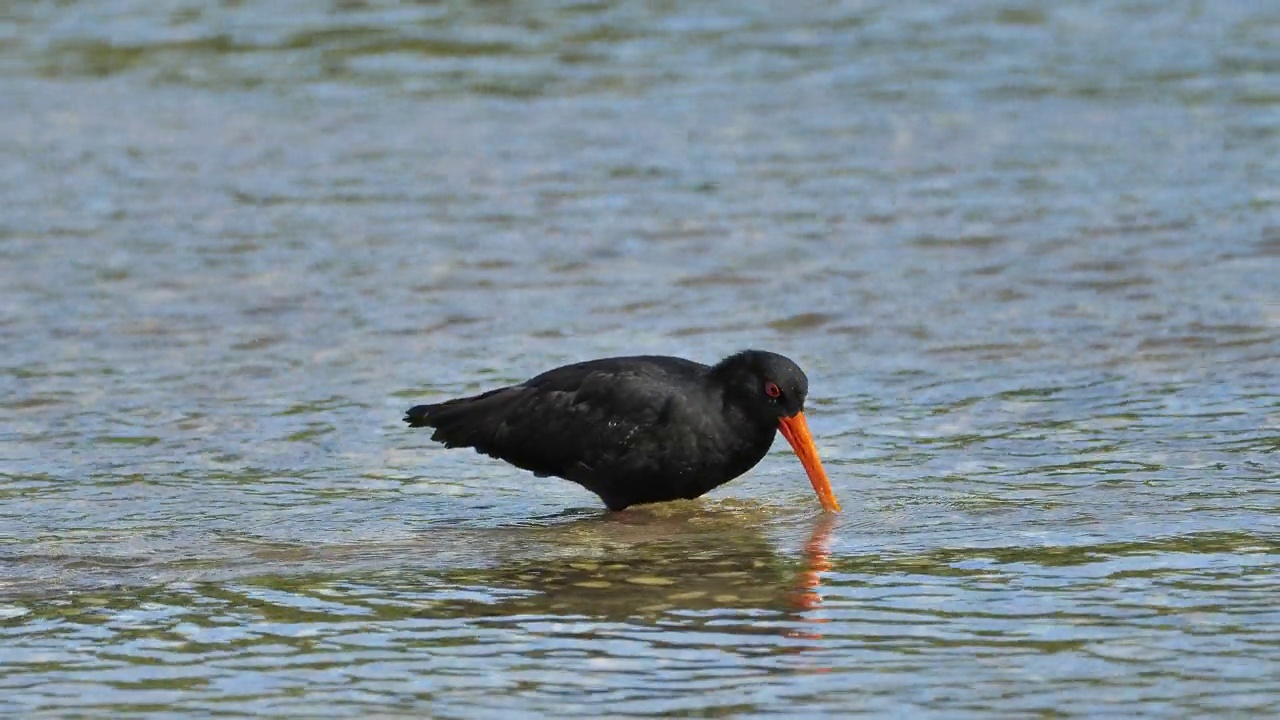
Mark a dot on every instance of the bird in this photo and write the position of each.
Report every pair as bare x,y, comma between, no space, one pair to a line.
639,429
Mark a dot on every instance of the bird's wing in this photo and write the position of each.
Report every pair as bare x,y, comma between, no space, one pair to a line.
589,416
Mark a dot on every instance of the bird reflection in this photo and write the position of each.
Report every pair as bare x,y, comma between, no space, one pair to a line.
676,566
679,564
817,560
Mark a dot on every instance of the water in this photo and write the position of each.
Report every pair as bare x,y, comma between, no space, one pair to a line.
1026,251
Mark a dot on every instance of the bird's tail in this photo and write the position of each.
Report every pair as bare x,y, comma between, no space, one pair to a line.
420,415
462,422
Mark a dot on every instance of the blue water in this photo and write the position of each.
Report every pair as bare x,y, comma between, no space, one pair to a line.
1026,252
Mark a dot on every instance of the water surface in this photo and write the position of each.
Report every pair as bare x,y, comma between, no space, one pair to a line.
1027,253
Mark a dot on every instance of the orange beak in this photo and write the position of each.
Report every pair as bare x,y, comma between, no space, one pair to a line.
796,430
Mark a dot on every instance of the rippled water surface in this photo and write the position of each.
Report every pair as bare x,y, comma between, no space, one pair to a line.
1026,251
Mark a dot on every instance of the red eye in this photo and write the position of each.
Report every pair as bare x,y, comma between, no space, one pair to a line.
772,390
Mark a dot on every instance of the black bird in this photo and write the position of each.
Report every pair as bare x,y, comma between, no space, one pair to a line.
640,429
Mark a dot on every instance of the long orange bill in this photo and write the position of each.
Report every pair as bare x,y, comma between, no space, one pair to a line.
796,431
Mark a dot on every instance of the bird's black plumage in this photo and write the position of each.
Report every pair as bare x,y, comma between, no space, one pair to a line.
630,429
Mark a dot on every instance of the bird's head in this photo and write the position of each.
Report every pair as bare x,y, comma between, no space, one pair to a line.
772,388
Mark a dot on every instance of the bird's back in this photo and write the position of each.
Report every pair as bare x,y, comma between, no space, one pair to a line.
654,370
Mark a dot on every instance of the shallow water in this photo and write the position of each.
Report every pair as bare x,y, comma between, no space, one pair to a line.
1027,253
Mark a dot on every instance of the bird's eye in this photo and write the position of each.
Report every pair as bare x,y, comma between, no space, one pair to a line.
772,390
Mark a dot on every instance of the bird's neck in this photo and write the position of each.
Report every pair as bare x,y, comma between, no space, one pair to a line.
752,436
